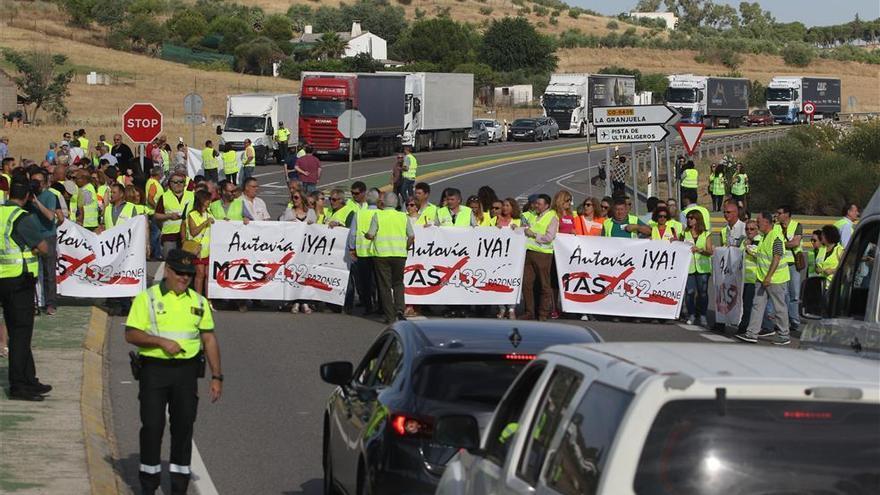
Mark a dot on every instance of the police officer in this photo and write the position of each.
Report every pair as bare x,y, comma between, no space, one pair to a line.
282,135
171,324
18,270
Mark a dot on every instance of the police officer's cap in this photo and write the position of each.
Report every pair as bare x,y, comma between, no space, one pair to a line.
181,261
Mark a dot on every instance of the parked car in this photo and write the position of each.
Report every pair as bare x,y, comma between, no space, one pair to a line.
760,117
494,128
379,420
667,418
478,134
551,128
526,130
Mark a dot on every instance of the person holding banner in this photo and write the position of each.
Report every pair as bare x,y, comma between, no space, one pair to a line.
483,217
734,231
87,202
697,288
749,247
454,214
622,224
691,206
392,235
118,210
427,211
772,275
18,269
661,230
589,221
508,217
539,259
228,207
363,250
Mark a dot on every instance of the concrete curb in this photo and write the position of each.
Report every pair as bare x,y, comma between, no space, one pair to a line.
99,451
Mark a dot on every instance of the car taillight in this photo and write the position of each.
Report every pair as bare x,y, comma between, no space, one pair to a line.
408,426
807,415
519,357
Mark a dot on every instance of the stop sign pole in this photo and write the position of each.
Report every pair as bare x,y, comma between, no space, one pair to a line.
142,122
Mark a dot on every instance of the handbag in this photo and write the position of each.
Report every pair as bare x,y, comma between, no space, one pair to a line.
800,261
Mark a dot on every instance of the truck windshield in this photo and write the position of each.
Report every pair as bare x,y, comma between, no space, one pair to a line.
761,446
245,124
560,102
778,94
681,95
321,108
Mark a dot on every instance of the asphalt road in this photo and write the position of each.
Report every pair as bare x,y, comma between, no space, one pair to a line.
264,436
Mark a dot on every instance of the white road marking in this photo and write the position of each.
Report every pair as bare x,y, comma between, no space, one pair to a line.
691,328
200,476
274,185
714,337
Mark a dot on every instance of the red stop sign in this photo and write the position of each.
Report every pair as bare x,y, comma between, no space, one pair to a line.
142,122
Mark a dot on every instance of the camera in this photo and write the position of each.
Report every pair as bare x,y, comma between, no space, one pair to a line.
36,187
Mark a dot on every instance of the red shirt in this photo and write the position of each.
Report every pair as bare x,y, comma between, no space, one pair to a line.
566,224
310,164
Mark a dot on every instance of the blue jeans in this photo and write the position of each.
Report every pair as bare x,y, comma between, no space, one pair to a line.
246,173
155,240
697,294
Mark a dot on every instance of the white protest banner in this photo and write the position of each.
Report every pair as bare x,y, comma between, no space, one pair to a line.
110,264
282,261
727,276
621,277
481,265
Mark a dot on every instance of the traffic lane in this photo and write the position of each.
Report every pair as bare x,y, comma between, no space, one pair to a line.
520,178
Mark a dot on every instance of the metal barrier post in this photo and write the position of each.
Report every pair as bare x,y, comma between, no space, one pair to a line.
607,171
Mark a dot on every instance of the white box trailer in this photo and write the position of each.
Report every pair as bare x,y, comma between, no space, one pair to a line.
256,116
439,109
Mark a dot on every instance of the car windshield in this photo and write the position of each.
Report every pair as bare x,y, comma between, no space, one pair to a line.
466,378
761,446
760,113
778,94
476,126
321,108
245,124
524,123
681,95
560,102
487,123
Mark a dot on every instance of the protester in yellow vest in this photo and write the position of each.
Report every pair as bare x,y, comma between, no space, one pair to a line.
454,214
248,160
827,266
171,209
118,210
282,136
392,235
340,210
717,187
773,275
622,224
198,232
792,233
229,207
662,230
740,187
408,172
210,161
697,289
363,250
87,202
690,181
540,233
230,164
692,205
749,247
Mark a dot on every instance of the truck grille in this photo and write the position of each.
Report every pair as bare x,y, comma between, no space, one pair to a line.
779,110
562,118
324,136
237,146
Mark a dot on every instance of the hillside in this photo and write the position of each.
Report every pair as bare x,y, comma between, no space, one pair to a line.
859,80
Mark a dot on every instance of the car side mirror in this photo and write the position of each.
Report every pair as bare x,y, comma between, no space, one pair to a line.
219,130
417,105
337,372
813,298
458,431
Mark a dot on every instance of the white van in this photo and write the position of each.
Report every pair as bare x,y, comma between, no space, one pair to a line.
669,418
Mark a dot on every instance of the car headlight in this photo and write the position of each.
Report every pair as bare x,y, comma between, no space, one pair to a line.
531,131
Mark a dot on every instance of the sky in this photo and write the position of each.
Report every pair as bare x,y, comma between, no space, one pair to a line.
809,12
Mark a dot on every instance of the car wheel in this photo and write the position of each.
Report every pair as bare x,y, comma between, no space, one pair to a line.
329,482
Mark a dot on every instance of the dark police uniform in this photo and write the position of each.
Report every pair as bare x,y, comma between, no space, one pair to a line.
169,380
19,234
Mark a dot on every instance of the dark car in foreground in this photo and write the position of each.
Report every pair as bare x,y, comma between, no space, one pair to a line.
526,130
760,117
378,423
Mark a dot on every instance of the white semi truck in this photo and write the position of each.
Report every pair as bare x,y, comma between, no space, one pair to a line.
786,96
714,101
256,116
439,109
569,98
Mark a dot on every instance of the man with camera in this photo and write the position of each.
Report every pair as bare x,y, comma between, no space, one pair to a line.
19,246
46,208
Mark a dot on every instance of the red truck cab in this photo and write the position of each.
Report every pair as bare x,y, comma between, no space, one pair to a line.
322,101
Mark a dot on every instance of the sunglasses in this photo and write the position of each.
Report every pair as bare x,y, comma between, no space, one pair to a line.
410,205
176,182
661,216
496,207
181,274
604,206
588,204
335,199
356,193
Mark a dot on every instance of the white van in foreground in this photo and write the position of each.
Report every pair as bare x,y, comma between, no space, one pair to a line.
663,418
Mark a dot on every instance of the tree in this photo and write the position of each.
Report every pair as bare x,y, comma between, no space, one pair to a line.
483,74
329,46
233,30
757,94
648,5
186,24
256,56
362,62
512,44
375,16
798,54
42,80
143,32
440,41
300,15
277,28
79,11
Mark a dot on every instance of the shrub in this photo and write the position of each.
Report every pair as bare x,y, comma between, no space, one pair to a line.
540,10
554,21
612,25
798,54
574,12
485,10
404,2
725,56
